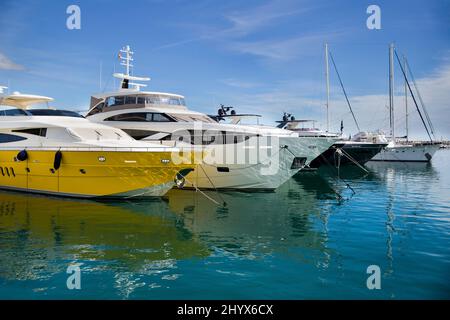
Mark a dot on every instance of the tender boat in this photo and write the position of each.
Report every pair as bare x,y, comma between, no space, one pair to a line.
242,157
62,153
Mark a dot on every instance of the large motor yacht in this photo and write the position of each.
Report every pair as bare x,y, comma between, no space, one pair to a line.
242,157
357,150
62,153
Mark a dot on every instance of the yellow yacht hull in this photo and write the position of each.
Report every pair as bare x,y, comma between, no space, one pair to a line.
90,174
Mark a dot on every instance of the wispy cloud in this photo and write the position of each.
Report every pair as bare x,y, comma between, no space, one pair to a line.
236,83
283,50
8,64
246,22
370,109
243,23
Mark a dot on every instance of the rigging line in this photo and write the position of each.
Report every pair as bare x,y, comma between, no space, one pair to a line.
337,178
419,96
338,195
345,153
212,184
343,89
412,95
201,192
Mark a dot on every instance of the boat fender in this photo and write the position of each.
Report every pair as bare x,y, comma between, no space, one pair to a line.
180,179
58,159
22,155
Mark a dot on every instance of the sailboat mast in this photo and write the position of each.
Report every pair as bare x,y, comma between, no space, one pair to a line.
406,102
391,90
327,75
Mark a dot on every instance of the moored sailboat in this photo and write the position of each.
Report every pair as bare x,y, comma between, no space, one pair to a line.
404,150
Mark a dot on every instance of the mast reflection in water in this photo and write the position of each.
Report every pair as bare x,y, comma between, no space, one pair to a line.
298,242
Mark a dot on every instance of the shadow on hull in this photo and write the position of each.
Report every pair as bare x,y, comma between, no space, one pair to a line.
360,152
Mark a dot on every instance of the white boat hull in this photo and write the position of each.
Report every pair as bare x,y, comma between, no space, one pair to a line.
251,176
407,153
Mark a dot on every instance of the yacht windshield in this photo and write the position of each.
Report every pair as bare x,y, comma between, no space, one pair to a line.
51,112
5,111
191,118
145,100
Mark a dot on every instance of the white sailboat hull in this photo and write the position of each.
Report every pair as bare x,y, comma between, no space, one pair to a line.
407,153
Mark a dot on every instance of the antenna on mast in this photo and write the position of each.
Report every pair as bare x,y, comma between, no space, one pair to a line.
126,57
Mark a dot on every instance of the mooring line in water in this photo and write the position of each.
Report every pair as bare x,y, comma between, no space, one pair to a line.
352,159
339,196
338,177
215,189
197,189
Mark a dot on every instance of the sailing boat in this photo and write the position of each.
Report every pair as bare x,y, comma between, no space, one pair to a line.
406,151
357,151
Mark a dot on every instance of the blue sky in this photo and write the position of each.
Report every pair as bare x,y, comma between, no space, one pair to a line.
264,57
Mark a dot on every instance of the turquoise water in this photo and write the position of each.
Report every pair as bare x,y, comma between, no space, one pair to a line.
296,243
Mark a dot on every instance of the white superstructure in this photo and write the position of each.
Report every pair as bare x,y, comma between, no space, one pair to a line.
242,156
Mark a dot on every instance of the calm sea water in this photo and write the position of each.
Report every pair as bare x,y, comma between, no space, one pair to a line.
296,243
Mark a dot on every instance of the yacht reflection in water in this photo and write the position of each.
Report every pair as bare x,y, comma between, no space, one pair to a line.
188,221
252,224
38,230
40,236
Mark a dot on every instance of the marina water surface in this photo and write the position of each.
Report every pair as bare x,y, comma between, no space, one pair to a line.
298,242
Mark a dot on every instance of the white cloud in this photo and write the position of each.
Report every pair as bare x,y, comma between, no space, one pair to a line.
236,83
7,64
246,22
371,110
283,50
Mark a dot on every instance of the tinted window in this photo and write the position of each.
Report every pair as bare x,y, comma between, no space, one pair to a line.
140,134
50,112
160,117
130,100
140,100
13,112
134,116
140,117
115,101
36,131
10,138
164,100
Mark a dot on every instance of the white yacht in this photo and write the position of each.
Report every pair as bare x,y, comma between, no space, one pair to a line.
403,150
357,150
241,157
61,153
